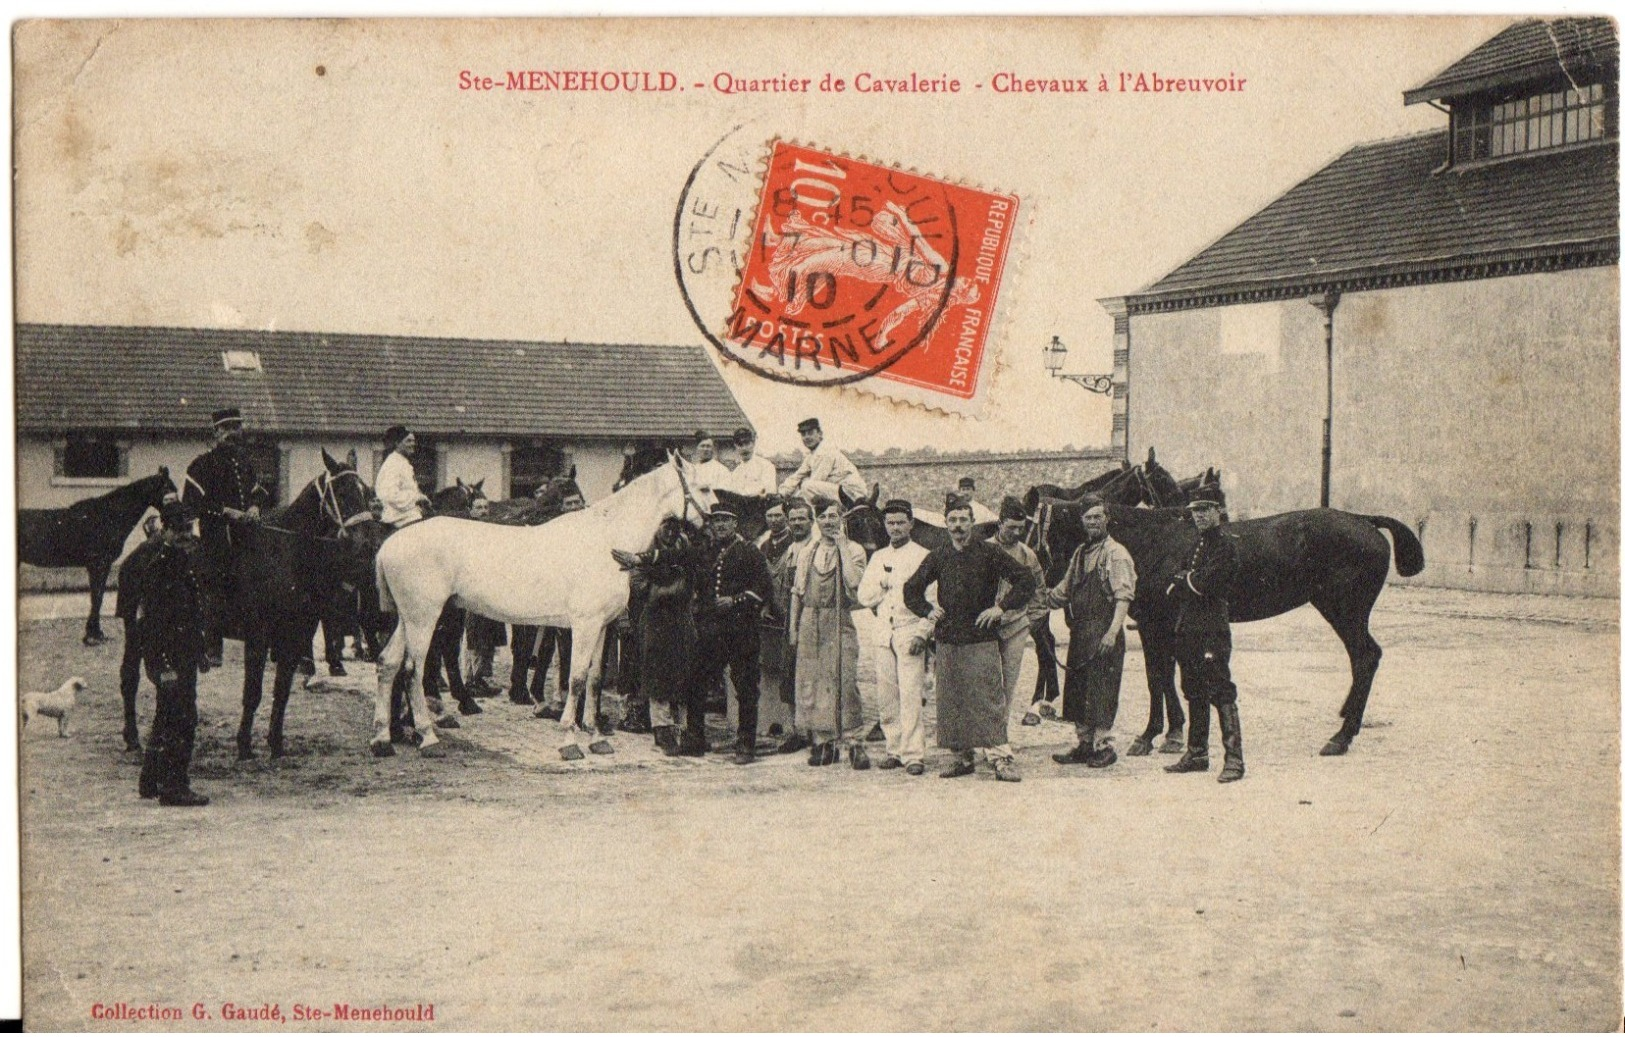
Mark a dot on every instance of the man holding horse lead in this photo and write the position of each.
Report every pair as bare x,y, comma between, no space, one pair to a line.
397,484
825,471
1096,593
734,586
1202,638
222,491
973,707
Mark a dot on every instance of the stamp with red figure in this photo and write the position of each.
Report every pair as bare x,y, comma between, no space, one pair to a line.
860,274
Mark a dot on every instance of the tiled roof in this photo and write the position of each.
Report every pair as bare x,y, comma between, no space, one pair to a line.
1532,50
1387,207
92,377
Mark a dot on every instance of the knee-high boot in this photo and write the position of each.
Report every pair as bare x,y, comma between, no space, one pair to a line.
1230,734
1195,758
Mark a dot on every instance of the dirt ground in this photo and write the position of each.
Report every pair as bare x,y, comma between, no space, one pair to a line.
1459,870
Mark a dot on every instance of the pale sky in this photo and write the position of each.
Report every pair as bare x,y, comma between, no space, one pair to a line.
203,174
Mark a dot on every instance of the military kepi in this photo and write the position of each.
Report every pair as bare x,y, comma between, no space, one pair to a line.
227,416
1206,497
1010,508
808,425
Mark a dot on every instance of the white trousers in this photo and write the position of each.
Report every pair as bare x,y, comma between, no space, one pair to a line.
900,687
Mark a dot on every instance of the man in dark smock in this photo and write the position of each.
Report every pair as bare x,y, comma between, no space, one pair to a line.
130,573
666,576
972,707
168,618
1202,638
1096,592
223,493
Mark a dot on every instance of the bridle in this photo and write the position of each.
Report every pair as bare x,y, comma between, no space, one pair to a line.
330,501
688,492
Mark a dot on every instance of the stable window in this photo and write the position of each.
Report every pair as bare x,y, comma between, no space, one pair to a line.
530,466
88,456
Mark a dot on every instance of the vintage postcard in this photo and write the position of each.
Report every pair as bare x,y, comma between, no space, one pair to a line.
818,524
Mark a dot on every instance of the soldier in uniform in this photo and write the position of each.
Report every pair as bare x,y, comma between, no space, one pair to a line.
733,588
783,553
168,618
1202,638
223,493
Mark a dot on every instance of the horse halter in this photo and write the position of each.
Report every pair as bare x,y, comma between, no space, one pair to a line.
688,493
330,501
1147,488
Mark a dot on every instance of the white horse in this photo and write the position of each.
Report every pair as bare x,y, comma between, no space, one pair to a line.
557,574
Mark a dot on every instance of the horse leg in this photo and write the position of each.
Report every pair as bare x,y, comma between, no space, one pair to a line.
98,587
417,642
1352,621
449,636
255,650
583,669
281,688
389,666
1157,648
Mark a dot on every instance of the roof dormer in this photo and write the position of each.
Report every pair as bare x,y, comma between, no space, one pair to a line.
1537,86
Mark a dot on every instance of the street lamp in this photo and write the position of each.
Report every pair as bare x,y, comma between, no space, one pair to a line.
1055,358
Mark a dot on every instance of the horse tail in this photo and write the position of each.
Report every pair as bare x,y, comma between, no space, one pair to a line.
1407,549
386,601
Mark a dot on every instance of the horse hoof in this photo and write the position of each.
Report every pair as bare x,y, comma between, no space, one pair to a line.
601,747
1334,748
469,708
1172,745
434,750
92,640
132,747
572,752
383,749
277,751
244,753
447,723
1139,747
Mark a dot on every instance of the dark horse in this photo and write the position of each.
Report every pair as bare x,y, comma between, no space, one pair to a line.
90,533
1336,561
284,577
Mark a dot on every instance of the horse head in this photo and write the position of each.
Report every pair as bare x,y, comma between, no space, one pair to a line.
159,486
345,498
863,522
682,497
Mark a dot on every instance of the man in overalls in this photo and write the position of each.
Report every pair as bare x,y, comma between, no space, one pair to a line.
1096,592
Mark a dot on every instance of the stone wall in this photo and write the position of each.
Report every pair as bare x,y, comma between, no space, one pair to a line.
924,478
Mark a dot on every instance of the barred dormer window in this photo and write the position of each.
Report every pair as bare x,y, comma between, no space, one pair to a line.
1561,116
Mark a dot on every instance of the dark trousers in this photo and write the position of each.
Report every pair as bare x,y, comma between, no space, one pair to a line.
737,650
174,728
534,646
1048,687
1204,668
129,681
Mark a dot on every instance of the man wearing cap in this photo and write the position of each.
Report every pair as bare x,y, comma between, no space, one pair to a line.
979,512
825,471
222,491
783,555
1096,592
753,476
900,660
168,618
397,486
709,473
1202,638
1016,626
973,709
734,586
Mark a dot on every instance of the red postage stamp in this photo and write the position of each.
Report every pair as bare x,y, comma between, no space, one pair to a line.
857,270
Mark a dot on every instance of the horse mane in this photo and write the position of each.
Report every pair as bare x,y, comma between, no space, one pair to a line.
141,489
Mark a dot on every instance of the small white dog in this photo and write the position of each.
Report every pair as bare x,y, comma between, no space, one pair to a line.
58,704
